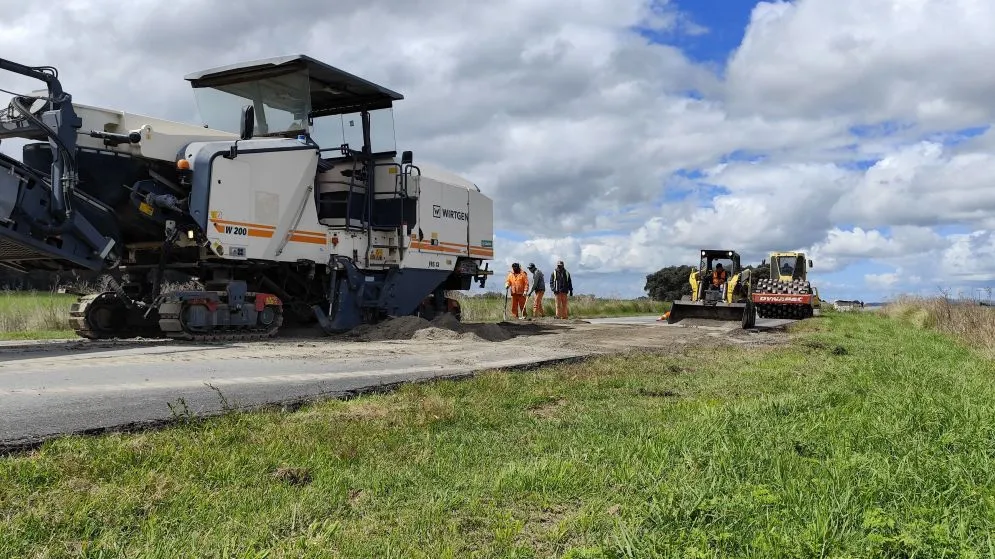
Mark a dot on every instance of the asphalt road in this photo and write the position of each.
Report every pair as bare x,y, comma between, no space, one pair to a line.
54,388
43,395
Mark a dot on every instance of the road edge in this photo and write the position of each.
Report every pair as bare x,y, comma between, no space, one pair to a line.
15,447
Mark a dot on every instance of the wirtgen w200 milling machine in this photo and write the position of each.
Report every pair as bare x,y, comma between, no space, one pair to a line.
286,204
727,300
787,293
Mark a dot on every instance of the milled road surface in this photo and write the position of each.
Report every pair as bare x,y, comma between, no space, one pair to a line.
53,388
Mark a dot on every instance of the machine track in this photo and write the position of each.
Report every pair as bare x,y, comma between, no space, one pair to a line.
795,299
206,318
105,315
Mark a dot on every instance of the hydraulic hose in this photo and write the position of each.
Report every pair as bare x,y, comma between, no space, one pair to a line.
46,228
60,165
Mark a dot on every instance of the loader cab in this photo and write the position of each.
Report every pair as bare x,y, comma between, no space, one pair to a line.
708,290
710,259
347,119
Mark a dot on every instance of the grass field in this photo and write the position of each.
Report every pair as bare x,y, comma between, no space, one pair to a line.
488,309
866,437
34,315
46,315
967,321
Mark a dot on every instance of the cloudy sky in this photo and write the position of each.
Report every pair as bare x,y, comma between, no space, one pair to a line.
622,135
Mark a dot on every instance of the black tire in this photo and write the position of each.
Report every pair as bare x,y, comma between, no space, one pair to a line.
749,317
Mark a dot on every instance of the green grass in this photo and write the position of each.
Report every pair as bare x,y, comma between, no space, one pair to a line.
35,315
491,309
863,438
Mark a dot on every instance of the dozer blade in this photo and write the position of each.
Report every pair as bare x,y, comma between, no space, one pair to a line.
681,310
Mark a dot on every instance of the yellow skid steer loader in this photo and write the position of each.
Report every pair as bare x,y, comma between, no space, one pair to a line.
720,290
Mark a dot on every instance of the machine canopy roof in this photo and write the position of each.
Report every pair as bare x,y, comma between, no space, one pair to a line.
330,91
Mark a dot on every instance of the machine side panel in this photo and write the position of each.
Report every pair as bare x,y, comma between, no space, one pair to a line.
442,232
262,206
481,226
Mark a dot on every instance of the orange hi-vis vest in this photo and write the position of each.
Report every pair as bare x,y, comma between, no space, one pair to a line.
519,283
719,277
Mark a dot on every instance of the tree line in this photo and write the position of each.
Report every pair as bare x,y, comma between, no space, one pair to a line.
671,283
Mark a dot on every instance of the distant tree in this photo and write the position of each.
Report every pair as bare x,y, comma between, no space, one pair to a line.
760,272
670,283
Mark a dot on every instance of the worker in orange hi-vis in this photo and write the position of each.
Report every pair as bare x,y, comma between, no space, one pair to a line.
518,283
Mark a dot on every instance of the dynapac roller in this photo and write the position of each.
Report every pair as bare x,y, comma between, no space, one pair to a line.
286,204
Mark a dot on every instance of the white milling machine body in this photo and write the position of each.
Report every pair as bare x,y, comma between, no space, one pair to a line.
287,203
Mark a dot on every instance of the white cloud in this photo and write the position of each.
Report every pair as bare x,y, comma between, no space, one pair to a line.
922,60
880,281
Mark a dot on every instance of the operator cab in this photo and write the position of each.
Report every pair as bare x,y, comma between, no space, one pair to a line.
789,267
288,93
348,119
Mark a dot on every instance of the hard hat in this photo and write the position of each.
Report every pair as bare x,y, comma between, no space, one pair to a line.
532,266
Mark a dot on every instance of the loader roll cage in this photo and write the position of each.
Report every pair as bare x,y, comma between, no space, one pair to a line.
709,258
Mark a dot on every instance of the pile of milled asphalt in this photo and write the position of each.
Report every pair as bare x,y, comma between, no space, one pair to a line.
445,327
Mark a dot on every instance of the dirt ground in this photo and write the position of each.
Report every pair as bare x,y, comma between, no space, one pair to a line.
415,337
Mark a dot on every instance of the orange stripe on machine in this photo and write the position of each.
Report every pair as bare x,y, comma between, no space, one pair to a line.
308,237
436,248
243,224
453,248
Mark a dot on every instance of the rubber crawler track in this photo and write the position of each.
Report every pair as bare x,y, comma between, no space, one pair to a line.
87,304
171,325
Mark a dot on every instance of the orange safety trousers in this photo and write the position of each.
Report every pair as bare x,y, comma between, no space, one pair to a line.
562,311
537,305
517,303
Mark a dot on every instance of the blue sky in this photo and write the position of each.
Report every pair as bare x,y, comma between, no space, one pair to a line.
725,21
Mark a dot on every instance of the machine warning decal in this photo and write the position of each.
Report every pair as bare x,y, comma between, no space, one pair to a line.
237,252
145,208
487,243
